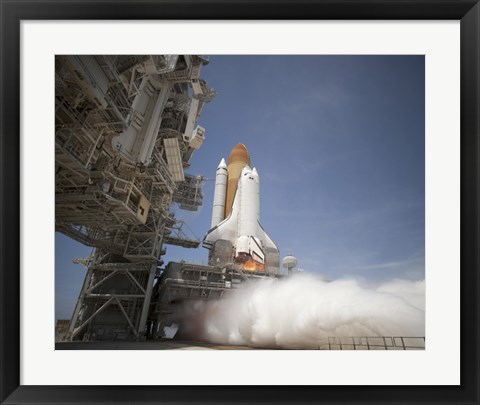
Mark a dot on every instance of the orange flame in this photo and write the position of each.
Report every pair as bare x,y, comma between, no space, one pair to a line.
252,265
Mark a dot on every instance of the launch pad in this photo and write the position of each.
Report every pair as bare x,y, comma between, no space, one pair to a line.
182,281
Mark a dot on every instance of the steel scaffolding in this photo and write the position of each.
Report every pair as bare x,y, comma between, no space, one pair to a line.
124,133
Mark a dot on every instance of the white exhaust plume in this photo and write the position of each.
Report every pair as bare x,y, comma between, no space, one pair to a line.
301,311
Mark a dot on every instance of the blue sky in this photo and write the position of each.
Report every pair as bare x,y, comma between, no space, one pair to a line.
338,142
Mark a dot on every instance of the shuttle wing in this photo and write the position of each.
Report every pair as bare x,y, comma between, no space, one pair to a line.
269,243
227,229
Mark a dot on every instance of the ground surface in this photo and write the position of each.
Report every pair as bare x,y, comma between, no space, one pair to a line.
348,343
165,344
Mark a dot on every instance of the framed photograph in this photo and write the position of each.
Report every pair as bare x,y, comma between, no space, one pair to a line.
362,122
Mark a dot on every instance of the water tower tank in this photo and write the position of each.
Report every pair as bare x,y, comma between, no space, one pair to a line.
289,262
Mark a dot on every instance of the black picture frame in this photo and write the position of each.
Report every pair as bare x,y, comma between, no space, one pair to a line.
12,12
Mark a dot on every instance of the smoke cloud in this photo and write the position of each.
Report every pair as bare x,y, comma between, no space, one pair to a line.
303,310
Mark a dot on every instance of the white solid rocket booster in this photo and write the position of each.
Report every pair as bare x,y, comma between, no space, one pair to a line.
218,211
257,179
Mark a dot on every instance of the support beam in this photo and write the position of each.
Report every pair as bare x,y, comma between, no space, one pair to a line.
146,302
101,281
78,305
135,281
125,315
98,311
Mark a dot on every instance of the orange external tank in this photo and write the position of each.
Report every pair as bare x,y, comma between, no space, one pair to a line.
238,159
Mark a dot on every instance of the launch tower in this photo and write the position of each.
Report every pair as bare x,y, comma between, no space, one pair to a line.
125,130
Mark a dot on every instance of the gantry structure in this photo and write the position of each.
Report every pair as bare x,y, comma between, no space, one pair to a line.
125,130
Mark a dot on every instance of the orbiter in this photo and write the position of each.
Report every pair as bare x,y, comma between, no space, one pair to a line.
236,235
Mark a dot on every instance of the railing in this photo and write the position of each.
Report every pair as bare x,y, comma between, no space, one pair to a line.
372,343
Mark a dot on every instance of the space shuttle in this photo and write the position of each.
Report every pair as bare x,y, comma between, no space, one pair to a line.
236,236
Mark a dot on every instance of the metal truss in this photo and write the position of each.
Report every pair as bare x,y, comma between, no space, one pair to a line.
189,193
113,184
